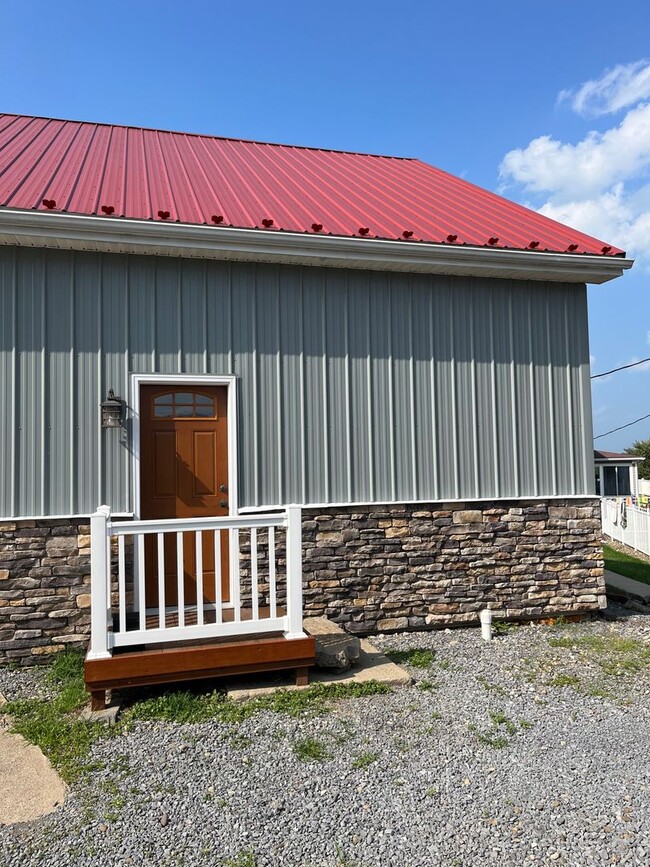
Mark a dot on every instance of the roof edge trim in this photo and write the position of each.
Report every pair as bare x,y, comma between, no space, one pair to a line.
106,234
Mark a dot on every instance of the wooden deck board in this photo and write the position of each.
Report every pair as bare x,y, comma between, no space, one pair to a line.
197,661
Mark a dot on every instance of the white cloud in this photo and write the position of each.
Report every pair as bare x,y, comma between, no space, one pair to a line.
600,184
588,167
618,88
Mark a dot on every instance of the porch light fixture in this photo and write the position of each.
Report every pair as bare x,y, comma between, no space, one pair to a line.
112,410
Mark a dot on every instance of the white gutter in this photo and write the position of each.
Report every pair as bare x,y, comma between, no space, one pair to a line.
108,234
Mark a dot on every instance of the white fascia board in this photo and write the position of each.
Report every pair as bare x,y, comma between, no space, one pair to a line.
108,234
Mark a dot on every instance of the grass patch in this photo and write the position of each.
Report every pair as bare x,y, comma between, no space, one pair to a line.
562,680
311,750
501,731
52,725
419,657
196,707
626,564
427,685
364,760
242,859
615,655
491,687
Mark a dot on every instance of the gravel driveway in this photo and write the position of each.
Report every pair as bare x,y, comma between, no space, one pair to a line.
533,749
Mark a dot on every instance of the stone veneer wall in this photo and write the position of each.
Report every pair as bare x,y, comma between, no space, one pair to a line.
385,568
44,588
370,569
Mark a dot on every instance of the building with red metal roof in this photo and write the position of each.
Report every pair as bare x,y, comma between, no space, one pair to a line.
199,332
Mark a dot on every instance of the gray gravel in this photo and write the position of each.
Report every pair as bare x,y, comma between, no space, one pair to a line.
515,752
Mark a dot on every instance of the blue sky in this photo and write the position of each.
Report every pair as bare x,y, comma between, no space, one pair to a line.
548,103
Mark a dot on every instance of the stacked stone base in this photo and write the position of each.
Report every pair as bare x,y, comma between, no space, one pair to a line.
44,588
395,567
369,569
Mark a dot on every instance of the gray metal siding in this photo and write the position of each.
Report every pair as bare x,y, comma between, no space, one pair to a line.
353,386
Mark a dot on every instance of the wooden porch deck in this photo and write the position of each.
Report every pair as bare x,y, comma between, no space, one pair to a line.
210,658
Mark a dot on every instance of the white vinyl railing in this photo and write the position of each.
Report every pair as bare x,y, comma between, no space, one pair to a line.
626,524
127,609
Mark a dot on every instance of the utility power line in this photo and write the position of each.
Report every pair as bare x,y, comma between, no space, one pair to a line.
629,424
616,370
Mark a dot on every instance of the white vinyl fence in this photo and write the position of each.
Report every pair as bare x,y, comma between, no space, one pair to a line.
626,524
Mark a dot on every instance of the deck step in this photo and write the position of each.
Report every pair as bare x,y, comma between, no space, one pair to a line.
196,662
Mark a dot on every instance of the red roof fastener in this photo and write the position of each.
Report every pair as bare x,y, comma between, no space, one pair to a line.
452,238
317,227
49,203
108,209
407,233
267,223
534,245
605,250
363,230
493,241
164,215
217,218
572,248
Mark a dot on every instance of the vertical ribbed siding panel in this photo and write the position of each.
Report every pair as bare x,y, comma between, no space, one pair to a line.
114,345
352,386
424,434
289,410
88,383
483,390
336,317
442,350
8,383
31,475
194,325
316,432
402,454
59,383
506,426
244,327
381,391
525,424
581,390
360,372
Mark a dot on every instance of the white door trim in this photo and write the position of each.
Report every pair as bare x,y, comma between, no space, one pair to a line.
230,381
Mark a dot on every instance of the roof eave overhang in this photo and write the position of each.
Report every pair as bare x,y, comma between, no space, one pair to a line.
105,234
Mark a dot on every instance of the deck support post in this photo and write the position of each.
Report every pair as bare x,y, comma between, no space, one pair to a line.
100,584
294,573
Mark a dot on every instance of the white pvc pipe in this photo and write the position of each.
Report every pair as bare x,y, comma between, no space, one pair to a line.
486,624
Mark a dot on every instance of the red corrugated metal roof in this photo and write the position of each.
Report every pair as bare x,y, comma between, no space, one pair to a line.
147,174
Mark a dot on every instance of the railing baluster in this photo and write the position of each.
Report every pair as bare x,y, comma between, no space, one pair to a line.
272,597
255,599
142,602
235,589
161,580
218,597
199,578
180,579
121,582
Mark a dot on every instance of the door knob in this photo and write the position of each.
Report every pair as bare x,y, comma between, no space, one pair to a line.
223,489
223,503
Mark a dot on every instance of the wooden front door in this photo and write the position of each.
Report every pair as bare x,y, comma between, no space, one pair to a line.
184,474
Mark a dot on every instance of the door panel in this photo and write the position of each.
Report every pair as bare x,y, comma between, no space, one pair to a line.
184,473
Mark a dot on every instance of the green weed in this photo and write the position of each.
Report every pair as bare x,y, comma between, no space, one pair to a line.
419,657
364,760
311,750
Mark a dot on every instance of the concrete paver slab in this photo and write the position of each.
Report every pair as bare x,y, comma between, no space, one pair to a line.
29,785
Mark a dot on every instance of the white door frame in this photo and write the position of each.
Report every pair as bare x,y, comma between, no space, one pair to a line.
174,379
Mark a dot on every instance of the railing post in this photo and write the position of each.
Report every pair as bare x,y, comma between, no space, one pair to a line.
100,578
294,573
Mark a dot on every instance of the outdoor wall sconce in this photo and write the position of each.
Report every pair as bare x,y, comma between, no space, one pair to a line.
112,410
